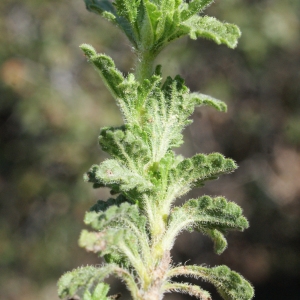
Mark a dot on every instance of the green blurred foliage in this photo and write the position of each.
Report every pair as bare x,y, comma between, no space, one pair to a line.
52,105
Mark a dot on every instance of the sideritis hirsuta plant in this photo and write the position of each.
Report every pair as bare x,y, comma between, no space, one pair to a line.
136,228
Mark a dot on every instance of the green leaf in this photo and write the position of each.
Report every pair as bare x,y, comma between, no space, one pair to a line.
220,242
116,216
148,19
112,240
99,293
187,288
211,28
211,216
126,144
214,217
229,284
88,278
216,213
194,7
193,172
84,278
106,68
112,174
120,245
102,7
104,205
128,9
119,218
105,9
201,99
166,115
128,92
169,18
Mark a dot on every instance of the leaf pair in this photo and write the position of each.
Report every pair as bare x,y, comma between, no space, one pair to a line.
230,285
151,25
155,113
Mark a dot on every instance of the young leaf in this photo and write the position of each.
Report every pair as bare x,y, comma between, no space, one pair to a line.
112,240
218,238
229,284
211,28
126,214
193,8
148,21
126,144
99,293
117,241
128,9
102,206
112,174
106,68
105,9
201,99
211,216
193,172
187,288
102,7
83,278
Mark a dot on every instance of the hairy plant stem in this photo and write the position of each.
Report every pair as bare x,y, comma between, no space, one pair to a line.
158,277
144,65
144,69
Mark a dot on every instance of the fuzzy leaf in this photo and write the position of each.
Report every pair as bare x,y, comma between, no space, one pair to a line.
186,288
220,242
216,213
101,7
229,284
128,9
105,9
201,99
126,223
126,144
112,174
211,28
117,245
169,21
112,240
105,67
99,293
83,278
166,115
151,25
193,172
194,7
116,216
149,16
129,93
102,206
211,216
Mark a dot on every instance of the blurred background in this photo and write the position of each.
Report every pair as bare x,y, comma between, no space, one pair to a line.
52,105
